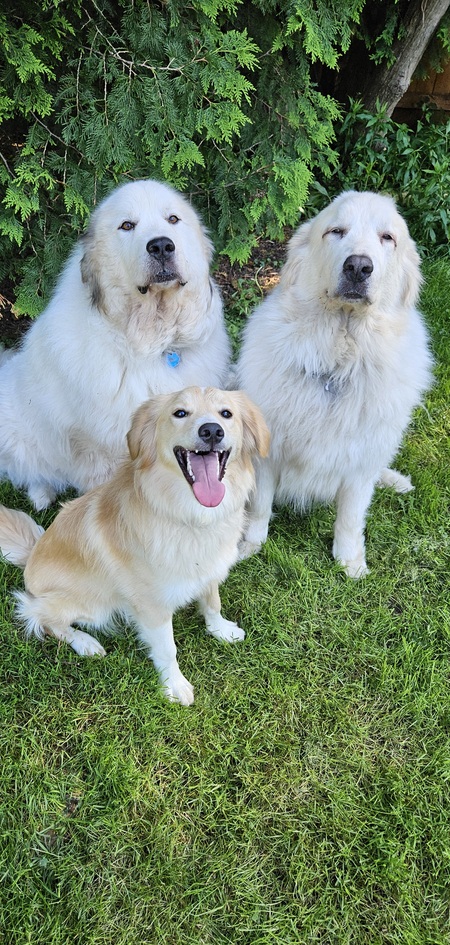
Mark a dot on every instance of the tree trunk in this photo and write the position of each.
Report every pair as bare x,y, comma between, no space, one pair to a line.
420,21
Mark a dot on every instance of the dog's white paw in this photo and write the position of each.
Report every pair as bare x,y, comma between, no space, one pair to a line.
403,484
395,480
253,538
351,555
85,645
355,569
177,688
226,630
248,548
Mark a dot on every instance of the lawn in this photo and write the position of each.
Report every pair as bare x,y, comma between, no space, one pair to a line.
304,797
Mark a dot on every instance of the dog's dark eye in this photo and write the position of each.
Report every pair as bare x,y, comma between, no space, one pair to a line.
226,414
180,414
127,225
387,236
173,218
337,230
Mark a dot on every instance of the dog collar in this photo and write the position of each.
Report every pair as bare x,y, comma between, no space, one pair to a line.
172,358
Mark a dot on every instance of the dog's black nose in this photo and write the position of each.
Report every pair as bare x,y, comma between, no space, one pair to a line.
358,268
211,434
161,247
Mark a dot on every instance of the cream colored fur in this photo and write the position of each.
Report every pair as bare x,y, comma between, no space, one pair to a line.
141,545
337,378
103,344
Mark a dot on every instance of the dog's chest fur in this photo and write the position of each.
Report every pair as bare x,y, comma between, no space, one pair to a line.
338,401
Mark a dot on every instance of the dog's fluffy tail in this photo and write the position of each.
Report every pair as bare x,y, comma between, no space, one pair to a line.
18,535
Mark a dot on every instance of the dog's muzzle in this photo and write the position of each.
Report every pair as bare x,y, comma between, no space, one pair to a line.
356,272
161,251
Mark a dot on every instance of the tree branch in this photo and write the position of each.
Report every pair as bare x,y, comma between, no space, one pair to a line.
419,23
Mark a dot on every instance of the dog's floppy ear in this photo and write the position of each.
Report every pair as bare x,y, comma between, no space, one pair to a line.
141,438
207,243
298,247
256,433
90,272
411,275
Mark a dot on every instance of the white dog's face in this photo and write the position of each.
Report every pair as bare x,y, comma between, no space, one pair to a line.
205,436
145,234
358,253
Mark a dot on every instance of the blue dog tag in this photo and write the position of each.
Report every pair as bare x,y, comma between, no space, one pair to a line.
173,358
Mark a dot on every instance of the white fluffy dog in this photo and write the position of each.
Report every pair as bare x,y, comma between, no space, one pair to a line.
135,313
162,532
337,358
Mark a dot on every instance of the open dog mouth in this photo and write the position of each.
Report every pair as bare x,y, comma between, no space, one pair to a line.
204,472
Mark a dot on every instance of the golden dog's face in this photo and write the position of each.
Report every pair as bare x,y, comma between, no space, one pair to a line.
200,434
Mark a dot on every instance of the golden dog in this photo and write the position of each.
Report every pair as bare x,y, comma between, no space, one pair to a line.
162,533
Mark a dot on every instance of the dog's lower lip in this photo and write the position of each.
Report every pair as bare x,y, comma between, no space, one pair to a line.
355,296
158,280
165,276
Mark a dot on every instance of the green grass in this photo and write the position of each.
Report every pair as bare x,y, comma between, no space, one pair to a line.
304,798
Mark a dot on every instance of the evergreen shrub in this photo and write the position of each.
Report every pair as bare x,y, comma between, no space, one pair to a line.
410,163
216,97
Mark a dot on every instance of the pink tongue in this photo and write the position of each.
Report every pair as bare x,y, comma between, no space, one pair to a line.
207,488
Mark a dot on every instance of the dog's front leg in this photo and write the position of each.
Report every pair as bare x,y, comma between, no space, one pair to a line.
352,503
260,509
156,633
216,625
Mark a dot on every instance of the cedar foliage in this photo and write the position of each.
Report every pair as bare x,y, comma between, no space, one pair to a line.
225,99
216,97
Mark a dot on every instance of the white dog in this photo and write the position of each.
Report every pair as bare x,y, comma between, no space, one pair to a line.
135,313
162,532
337,358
